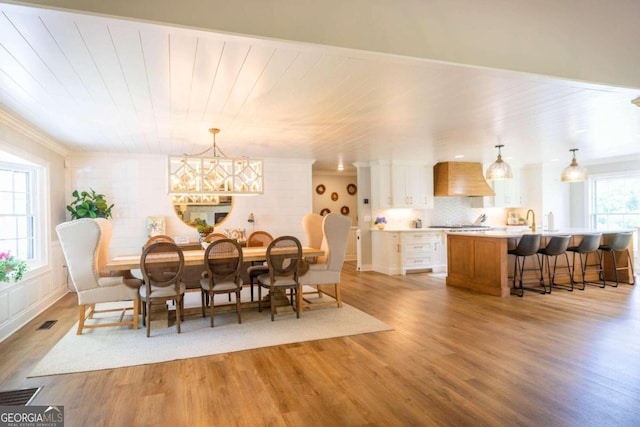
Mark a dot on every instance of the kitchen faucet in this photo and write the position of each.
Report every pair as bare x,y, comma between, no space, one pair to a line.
533,223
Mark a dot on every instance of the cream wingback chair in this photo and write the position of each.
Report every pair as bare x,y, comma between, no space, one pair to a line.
85,245
312,226
327,269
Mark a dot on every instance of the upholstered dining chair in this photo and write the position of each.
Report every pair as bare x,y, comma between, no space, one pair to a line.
312,226
162,265
212,237
284,256
223,261
85,245
257,238
156,239
327,269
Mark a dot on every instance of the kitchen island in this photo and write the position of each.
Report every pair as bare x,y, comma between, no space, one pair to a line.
478,260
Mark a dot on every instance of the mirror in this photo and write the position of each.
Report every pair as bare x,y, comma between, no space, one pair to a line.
213,213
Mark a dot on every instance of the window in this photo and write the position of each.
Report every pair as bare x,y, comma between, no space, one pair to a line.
22,211
615,201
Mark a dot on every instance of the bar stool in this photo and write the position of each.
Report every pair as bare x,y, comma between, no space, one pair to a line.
557,246
620,243
588,245
527,246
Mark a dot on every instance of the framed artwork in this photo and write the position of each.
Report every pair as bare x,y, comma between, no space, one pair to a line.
155,226
320,189
352,189
334,196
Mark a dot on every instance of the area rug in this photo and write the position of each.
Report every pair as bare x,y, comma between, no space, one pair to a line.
107,348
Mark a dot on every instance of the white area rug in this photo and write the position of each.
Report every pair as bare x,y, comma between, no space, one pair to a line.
106,348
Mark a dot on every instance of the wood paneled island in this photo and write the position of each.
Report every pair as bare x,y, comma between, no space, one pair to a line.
478,260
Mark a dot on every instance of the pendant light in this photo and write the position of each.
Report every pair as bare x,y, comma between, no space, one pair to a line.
574,172
499,170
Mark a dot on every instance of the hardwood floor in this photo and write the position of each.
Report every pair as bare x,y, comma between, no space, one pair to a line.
455,358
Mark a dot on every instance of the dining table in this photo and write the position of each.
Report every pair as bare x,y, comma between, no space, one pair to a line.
195,258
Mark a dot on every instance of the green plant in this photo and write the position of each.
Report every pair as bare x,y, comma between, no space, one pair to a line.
11,268
89,205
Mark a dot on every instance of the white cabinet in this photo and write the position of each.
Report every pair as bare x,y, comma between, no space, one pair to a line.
401,251
386,252
508,195
421,250
381,197
401,185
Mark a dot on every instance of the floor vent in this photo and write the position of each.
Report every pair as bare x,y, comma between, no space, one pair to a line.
17,397
47,325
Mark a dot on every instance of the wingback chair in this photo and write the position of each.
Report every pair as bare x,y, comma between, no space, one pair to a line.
85,245
327,269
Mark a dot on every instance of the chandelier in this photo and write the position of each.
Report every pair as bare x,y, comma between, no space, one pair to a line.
200,177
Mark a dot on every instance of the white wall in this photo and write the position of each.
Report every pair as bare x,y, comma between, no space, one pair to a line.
335,183
42,286
136,185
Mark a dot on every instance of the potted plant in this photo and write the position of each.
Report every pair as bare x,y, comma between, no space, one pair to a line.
380,222
11,268
89,205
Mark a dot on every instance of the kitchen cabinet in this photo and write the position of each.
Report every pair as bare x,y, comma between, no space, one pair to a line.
381,197
508,194
401,185
400,251
421,250
386,252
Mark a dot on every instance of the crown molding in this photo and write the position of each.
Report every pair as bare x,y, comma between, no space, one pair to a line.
26,129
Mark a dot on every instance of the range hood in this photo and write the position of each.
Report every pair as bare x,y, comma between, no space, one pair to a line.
460,179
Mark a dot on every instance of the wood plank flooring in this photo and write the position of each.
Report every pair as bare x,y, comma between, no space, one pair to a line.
455,358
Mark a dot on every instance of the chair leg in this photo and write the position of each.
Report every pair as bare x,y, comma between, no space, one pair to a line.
337,293
82,310
298,300
178,312
615,269
202,292
211,299
633,274
259,297
136,312
148,316
238,305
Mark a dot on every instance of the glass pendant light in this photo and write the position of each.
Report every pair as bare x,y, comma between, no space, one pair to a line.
499,169
574,172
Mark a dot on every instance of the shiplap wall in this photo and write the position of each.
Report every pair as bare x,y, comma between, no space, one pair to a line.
136,185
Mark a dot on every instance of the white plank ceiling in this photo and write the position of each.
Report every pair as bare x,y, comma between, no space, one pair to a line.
100,84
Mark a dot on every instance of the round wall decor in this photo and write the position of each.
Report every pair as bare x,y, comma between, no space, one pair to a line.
320,189
334,196
325,211
352,189
344,210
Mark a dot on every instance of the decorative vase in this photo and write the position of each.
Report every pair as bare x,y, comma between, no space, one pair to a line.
380,226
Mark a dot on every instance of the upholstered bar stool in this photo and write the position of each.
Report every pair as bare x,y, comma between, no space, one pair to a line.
621,243
556,246
588,245
527,246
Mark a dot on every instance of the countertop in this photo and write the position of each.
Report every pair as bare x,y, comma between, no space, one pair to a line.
506,234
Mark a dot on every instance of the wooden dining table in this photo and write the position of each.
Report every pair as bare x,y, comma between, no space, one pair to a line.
196,257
